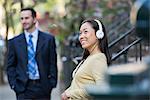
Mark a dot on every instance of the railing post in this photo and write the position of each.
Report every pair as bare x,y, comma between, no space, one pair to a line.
140,51
125,56
136,54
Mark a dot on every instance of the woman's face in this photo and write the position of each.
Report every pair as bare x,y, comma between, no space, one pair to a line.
87,36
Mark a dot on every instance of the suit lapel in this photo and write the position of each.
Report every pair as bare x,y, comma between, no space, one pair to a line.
22,46
40,42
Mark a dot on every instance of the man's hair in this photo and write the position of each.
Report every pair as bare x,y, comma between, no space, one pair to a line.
32,11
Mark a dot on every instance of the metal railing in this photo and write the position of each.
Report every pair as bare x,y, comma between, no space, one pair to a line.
118,26
121,37
125,51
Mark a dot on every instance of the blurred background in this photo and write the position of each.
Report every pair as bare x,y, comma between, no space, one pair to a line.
62,18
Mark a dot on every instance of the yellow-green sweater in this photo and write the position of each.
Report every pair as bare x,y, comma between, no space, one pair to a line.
91,71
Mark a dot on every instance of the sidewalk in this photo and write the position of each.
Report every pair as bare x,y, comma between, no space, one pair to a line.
6,93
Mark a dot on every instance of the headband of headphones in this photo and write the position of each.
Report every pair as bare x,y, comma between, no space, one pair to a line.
99,33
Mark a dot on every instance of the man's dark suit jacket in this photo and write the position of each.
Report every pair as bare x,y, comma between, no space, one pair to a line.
46,58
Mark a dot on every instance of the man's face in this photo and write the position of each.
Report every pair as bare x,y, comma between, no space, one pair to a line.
27,21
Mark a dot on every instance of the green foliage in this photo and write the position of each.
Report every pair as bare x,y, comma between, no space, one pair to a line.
12,10
77,10
75,14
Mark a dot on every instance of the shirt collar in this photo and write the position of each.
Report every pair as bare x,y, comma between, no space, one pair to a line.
34,33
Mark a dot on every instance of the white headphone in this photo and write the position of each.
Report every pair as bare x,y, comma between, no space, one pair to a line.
99,33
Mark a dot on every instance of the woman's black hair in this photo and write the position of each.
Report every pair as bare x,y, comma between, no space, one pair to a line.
103,43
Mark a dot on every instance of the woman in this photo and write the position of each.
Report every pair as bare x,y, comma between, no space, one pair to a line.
92,68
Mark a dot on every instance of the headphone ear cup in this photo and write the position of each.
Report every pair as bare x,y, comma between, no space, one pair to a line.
99,34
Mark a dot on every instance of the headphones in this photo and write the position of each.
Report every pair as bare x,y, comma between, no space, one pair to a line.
99,33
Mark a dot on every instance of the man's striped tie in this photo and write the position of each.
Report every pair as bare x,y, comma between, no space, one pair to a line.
32,64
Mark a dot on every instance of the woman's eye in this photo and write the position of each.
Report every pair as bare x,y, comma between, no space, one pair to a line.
85,31
79,33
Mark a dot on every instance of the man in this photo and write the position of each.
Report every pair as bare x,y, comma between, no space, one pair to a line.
32,60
